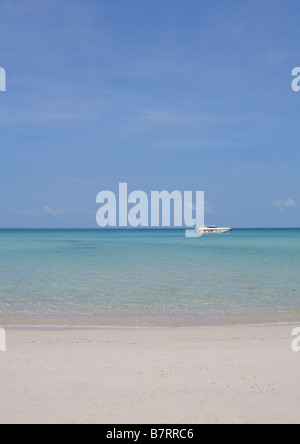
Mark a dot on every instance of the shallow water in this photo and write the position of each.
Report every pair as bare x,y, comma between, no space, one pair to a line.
152,277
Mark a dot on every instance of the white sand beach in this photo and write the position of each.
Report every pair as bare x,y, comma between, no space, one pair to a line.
226,374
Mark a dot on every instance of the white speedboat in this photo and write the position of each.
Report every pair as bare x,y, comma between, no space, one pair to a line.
212,229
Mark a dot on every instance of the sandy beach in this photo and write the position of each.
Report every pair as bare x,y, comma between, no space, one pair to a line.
243,374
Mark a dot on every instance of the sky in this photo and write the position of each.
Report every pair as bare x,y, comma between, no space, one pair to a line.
161,94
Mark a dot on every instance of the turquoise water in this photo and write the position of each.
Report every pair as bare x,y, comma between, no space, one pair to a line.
146,277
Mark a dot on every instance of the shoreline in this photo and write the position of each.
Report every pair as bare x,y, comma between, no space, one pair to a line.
144,328
143,322
201,375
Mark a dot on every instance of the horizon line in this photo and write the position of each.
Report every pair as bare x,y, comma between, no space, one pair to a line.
137,228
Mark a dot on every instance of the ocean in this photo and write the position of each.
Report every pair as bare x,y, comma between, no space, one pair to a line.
148,278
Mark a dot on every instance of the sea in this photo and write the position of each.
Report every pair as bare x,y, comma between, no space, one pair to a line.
148,278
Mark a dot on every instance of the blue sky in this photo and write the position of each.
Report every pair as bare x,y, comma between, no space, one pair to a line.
168,94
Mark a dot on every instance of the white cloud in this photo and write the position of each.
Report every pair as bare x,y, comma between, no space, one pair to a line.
160,117
42,211
284,204
53,212
37,211
209,208
22,212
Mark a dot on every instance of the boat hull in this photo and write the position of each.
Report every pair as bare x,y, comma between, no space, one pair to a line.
213,230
